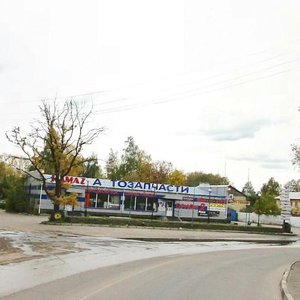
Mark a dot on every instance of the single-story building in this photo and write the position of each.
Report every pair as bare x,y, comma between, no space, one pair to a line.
119,197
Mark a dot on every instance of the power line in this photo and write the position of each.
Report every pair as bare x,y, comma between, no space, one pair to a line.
200,91
110,91
197,91
124,99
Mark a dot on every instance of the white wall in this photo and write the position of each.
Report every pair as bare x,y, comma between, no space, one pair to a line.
252,217
271,220
295,221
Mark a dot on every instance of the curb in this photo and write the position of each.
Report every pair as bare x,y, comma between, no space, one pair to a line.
183,239
284,289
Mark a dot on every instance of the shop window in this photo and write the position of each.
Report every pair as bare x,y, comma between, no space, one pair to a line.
101,201
105,201
114,202
140,203
92,200
152,204
129,202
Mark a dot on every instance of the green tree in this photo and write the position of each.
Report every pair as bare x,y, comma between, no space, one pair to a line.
12,189
161,171
145,170
5,174
17,196
56,141
296,154
266,205
195,178
249,191
91,168
136,165
176,177
272,187
293,185
131,160
113,166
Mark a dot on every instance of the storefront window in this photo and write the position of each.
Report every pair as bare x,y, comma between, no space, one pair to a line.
114,202
152,204
105,201
101,200
140,203
129,202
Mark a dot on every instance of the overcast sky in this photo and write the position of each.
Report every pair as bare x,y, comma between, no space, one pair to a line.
210,86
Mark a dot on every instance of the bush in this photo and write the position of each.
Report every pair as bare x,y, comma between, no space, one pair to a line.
17,198
125,221
2,204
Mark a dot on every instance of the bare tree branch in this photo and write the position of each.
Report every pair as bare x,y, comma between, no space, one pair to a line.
55,142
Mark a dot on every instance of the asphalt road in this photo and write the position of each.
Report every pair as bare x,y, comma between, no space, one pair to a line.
234,274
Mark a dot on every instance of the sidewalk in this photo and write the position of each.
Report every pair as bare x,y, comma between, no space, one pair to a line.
291,283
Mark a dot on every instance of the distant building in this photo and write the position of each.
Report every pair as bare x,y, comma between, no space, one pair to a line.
236,200
295,203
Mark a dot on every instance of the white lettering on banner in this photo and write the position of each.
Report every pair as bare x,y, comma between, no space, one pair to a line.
106,183
149,186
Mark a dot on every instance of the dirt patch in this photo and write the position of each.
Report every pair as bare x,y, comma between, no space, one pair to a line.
9,253
54,248
5,246
13,254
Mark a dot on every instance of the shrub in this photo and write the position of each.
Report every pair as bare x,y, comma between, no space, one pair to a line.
17,198
123,221
2,204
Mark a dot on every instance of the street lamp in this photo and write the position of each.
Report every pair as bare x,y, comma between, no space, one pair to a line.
41,194
193,208
208,206
258,213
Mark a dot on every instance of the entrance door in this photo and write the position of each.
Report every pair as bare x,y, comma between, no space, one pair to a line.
169,208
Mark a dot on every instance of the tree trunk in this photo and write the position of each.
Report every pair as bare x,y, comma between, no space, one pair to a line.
56,207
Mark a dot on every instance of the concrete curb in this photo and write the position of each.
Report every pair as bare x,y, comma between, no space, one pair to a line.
284,289
183,239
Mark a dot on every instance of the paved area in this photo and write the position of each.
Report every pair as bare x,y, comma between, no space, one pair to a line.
293,281
31,224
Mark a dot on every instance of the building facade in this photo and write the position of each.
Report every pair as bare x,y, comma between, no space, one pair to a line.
294,198
115,197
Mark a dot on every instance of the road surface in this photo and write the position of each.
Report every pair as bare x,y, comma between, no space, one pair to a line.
233,274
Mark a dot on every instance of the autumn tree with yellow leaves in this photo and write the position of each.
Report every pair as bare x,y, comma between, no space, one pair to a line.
54,146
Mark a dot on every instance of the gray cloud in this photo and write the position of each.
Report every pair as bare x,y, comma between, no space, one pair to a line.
258,157
270,165
264,160
237,131
227,132
233,132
